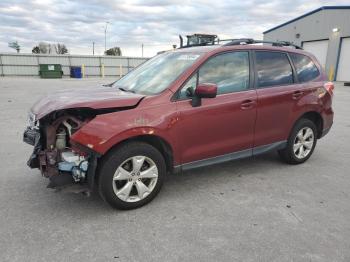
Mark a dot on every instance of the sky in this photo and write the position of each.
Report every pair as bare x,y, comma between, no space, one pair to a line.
154,23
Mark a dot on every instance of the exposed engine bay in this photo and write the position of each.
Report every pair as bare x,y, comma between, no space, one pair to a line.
53,152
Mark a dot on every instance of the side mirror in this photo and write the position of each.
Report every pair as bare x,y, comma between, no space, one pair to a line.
205,90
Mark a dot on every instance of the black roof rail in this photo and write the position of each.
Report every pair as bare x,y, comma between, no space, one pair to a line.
249,41
239,41
286,43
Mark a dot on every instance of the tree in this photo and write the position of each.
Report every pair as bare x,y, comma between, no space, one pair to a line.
47,48
116,51
44,48
36,50
61,49
15,45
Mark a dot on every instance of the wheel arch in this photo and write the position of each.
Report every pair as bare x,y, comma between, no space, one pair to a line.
315,117
154,140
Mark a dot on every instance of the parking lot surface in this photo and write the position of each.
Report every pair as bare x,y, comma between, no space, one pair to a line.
257,209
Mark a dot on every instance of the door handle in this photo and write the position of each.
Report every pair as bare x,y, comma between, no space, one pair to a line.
246,104
297,94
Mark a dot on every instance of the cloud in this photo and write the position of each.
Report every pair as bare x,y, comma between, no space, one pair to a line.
155,23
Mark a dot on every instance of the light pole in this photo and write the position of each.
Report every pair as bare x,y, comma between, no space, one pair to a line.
105,35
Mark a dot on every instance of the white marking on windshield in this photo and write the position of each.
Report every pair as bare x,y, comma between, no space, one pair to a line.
187,57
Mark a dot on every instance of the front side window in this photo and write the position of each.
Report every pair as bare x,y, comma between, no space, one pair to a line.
188,89
229,71
273,69
155,75
306,69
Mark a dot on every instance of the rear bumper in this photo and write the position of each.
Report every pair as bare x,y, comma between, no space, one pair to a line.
325,131
327,117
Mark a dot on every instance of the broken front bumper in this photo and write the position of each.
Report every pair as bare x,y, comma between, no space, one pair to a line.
32,137
62,167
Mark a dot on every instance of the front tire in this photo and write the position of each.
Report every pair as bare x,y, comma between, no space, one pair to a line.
131,175
301,142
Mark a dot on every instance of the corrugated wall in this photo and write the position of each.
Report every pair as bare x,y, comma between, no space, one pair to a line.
28,64
317,26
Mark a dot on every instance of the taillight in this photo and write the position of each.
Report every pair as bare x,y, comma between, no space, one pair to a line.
329,86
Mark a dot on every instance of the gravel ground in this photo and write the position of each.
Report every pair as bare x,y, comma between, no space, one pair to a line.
256,209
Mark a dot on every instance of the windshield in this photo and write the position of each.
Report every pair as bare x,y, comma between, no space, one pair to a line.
158,73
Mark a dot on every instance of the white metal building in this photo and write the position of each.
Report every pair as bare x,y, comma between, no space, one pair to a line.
325,32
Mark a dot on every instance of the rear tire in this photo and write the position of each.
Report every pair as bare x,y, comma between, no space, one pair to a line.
131,175
301,142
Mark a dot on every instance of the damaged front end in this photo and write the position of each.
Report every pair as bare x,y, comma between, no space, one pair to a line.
55,155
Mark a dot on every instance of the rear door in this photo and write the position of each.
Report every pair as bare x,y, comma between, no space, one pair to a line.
277,95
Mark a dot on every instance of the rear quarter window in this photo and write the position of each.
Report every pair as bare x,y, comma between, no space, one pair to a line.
305,68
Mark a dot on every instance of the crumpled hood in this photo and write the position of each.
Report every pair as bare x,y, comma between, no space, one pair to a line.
97,98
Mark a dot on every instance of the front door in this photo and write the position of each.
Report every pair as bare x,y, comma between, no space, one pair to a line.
224,124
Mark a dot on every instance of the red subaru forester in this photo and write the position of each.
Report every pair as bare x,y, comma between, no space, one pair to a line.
182,109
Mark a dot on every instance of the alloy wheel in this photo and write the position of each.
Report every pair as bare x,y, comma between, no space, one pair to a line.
135,178
303,142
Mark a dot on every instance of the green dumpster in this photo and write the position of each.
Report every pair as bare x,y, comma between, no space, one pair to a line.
50,71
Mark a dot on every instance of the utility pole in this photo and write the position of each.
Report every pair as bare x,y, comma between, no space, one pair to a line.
93,48
142,49
106,36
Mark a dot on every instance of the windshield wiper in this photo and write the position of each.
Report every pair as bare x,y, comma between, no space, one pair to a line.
126,90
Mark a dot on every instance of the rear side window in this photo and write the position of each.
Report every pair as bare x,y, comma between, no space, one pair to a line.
306,69
273,69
